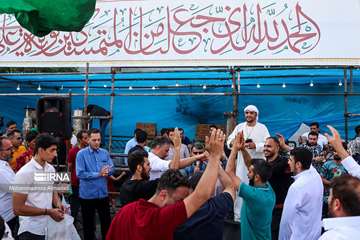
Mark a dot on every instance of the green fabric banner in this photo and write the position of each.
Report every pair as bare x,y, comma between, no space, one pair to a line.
41,17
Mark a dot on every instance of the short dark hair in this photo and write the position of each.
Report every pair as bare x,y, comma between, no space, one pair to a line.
172,179
315,124
137,130
198,145
12,132
213,126
141,136
357,129
79,135
302,155
44,141
262,168
93,131
168,130
312,133
275,139
31,135
346,188
9,123
136,158
194,179
160,141
163,131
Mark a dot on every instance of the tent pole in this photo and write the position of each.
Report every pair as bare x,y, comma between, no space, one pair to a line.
113,72
86,95
232,116
346,114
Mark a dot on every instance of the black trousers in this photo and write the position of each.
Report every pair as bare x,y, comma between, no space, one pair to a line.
14,226
275,224
88,207
75,203
30,236
232,230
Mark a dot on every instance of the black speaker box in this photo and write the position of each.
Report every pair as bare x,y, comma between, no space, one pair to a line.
54,116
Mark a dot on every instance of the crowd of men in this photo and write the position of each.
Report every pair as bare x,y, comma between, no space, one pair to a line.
179,189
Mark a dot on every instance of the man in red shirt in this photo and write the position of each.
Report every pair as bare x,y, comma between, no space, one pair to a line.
157,218
82,141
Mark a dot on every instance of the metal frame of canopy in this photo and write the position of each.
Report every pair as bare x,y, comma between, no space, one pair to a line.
348,90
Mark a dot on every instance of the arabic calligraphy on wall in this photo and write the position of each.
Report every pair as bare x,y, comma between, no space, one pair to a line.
169,31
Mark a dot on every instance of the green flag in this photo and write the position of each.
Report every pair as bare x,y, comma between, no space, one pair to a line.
41,17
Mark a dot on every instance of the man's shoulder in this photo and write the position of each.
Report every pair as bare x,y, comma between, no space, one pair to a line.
261,125
74,149
83,151
153,156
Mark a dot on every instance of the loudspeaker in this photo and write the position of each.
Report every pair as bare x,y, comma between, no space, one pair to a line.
54,116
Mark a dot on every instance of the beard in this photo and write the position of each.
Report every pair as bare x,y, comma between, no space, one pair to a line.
251,182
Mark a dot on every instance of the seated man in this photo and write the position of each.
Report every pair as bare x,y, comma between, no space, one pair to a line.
171,205
208,221
258,196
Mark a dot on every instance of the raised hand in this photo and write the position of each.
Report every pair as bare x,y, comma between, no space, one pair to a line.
175,138
283,145
215,143
239,143
336,143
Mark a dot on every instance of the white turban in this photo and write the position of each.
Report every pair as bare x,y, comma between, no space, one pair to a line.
252,108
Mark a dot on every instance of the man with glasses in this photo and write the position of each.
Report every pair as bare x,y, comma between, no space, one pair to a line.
16,140
7,177
197,149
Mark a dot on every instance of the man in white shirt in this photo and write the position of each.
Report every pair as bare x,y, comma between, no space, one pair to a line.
7,177
301,217
160,150
132,142
344,207
255,135
315,127
34,206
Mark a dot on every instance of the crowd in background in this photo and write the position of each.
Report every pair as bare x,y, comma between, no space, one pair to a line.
182,189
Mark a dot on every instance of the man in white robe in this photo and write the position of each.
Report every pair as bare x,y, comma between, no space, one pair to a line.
255,135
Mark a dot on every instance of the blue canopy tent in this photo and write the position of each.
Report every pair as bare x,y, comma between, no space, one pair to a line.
286,97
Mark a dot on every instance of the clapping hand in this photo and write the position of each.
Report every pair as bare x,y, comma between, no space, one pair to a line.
215,143
175,138
239,143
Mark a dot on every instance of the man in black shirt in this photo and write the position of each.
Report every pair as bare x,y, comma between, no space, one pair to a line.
281,178
139,185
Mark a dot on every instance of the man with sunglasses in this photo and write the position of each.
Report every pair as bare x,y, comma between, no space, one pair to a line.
17,141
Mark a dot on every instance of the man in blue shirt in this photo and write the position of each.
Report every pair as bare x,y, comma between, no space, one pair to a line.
258,196
93,166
